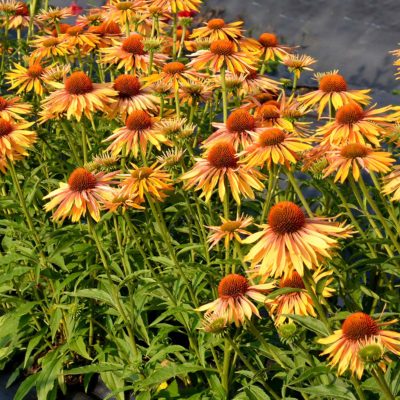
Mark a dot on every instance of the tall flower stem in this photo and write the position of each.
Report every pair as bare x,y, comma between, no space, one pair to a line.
250,367
381,381
352,218
157,214
177,105
272,180
224,94
390,208
263,63
298,191
308,283
378,213
24,207
174,26
182,42
113,287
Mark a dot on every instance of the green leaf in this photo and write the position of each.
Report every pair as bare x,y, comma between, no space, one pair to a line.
171,371
52,367
310,323
94,368
96,294
25,387
335,391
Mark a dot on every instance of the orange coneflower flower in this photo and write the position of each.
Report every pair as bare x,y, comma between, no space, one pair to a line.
270,113
174,128
12,108
297,63
358,330
78,95
77,37
199,91
177,5
122,201
355,156
54,15
270,48
220,167
253,82
56,75
274,146
62,28
153,181
15,138
130,54
290,241
352,124
27,79
85,191
93,17
229,230
135,135
49,47
218,29
132,96
105,32
239,127
9,6
392,184
171,157
20,17
333,90
122,12
222,54
298,302
233,303
174,74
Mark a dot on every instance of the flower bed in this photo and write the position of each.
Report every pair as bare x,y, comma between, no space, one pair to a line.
181,222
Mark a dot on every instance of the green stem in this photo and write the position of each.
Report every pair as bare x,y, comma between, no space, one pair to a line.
224,94
308,283
272,180
177,105
182,42
157,214
250,367
226,367
174,26
358,388
381,381
378,213
114,290
298,191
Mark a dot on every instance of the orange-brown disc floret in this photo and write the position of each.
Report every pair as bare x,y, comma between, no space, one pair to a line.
286,217
332,83
240,121
268,39
5,128
138,120
134,44
359,326
293,281
127,85
78,83
81,179
349,114
354,150
232,286
222,155
174,67
222,47
271,137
